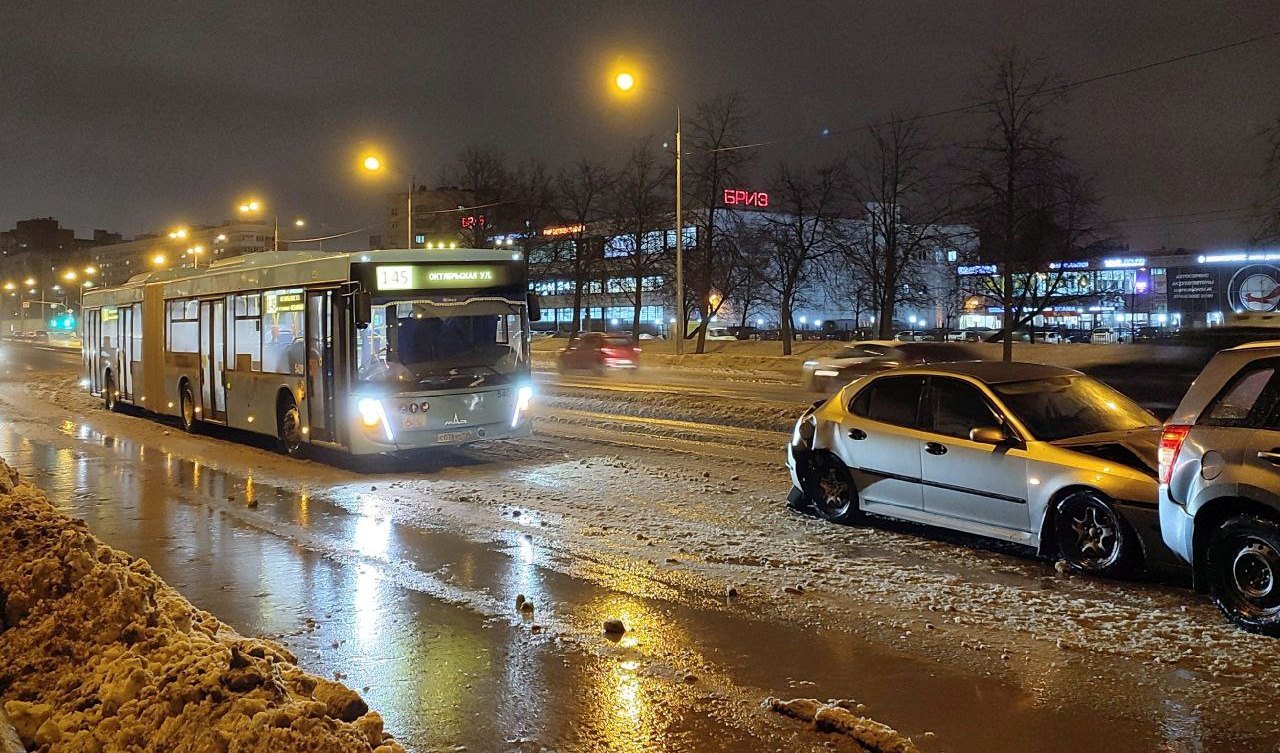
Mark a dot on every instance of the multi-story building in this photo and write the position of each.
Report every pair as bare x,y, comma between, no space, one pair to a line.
194,246
1161,288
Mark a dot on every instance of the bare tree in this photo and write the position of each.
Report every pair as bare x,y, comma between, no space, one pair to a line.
904,222
582,201
714,164
482,172
1013,175
1268,207
640,206
800,232
1064,223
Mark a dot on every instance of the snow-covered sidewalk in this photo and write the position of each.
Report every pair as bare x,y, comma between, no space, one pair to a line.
97,653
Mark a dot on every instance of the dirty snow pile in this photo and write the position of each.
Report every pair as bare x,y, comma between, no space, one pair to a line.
840,717
97,653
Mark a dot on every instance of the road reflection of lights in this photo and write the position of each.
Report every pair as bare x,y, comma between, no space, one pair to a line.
248,490
373,533
526,549
367,600
195,475
304,508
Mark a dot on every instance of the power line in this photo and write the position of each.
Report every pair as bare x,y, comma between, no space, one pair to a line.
1053,89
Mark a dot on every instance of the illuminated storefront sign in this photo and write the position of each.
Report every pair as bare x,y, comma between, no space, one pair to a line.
740,197
1079,264
563,230
1238,257
471,221
1125,262
977,269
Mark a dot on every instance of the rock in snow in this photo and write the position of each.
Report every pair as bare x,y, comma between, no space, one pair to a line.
102,655
614,626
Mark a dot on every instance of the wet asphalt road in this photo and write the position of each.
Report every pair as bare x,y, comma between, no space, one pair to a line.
420,618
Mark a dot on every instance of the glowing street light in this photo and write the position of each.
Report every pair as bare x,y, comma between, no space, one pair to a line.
179,233
159,260
299,222
625,81
70,276
9,286
220,238
373,164
253,206
29,282
91,270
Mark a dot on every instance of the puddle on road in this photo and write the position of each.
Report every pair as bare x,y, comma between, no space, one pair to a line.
384,600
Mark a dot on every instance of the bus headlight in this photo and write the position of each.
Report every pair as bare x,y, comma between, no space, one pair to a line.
372,415
524,398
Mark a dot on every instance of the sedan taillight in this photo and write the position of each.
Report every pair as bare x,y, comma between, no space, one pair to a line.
1170,443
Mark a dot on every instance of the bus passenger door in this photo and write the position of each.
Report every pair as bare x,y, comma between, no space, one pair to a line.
124,365
213,345
320,364
92,339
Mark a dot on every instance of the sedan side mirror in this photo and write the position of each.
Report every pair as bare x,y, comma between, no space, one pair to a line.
988,435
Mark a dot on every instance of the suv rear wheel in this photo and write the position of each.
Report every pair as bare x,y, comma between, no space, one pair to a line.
1243,568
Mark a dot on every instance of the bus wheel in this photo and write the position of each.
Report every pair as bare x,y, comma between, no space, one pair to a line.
187,405
110,397
289,428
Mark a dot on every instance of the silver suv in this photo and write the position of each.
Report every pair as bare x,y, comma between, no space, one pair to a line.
1220,484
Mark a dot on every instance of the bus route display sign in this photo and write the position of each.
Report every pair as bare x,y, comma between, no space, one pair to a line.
402,277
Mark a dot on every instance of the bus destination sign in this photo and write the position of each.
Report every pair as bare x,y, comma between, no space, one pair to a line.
392,277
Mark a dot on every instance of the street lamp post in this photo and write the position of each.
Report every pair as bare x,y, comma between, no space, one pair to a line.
625,82
373,164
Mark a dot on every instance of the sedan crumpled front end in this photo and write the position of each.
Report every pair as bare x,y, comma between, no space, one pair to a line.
800,448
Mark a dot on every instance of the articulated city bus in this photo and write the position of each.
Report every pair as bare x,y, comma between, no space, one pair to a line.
371,352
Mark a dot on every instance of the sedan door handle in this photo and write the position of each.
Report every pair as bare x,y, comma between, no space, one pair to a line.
857,434
1271,456
933,448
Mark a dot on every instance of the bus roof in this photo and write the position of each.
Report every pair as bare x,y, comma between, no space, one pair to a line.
264,259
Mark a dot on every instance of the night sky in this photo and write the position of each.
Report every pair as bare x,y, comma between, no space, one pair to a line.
139,115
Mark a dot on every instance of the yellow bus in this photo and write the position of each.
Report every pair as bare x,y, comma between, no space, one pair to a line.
366,352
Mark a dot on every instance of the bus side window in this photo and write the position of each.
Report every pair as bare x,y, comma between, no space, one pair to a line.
248,333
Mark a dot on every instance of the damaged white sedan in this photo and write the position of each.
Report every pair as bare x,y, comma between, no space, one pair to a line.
1033,454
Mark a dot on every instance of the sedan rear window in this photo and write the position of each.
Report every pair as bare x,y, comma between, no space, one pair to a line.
890,400
1071,406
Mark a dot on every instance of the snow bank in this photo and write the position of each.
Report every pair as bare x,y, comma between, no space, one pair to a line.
839,717
98,654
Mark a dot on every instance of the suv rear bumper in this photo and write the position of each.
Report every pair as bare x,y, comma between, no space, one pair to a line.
1177,526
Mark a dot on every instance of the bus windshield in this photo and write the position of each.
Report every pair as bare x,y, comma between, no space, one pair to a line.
423,345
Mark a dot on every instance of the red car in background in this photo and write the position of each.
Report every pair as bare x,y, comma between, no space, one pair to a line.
598,352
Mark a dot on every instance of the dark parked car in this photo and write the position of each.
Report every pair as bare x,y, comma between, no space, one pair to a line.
599,351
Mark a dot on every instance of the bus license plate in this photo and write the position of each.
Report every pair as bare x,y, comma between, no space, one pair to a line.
413,422
453,436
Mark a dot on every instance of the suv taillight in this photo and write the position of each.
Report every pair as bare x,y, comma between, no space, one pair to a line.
1170,443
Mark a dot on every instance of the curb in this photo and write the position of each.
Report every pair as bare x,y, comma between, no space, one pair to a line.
9,741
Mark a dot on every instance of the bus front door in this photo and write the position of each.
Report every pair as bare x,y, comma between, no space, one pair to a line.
320,364
213,346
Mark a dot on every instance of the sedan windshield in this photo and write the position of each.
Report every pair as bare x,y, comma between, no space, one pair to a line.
416,345
1071,406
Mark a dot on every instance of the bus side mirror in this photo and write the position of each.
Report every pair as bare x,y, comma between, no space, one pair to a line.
535,307
363,309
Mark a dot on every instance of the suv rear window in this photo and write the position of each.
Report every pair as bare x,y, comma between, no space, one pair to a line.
1245,400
